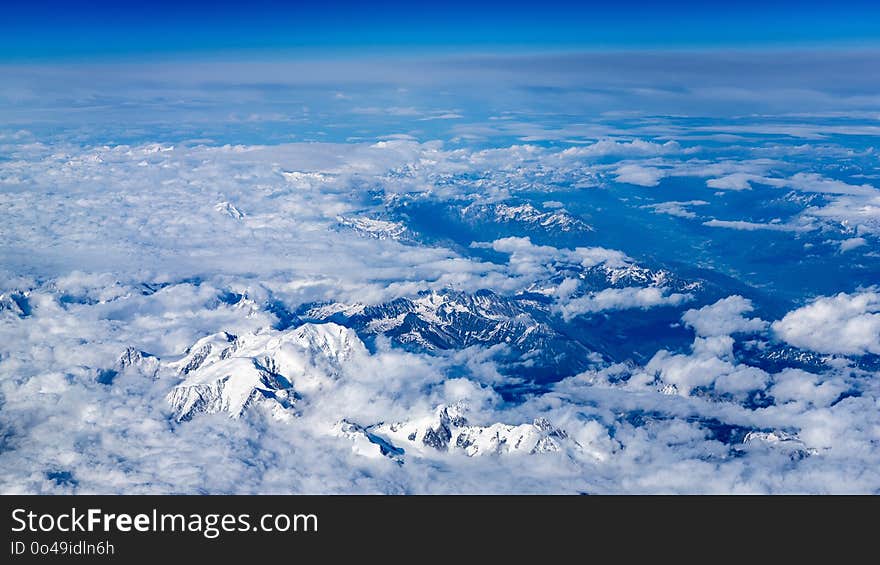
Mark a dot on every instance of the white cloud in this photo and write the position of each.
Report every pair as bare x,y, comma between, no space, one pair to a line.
686,372
733,181
443,116
845,323
639,175
536,261
852,243
849,205
741,381
861,213
724,317
678,209
795,385
743,225
814,182
611,147
621,299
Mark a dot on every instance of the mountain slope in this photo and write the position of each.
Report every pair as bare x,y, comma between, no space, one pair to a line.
224,373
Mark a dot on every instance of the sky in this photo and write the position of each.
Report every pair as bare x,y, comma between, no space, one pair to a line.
64,30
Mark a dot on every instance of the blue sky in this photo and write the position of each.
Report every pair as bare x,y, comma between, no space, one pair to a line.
49,30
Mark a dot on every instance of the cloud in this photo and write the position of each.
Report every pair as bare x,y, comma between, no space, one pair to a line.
734,181
611,147
678,209
639,175
711,362
741,381
621,299
860,213
849,204
443,116
724,317
401,111
534,262
844,323
743,225
686,372
814,182
795,385
852,243
284,218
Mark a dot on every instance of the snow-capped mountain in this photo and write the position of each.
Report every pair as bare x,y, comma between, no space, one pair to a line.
450,319
132,362
229,209
304,179
374,228
272,370
529,324
136,361
366,443
230,386
448,430
209,349
465,220
15,303
630,274
224,373
779,356
523,215
778,441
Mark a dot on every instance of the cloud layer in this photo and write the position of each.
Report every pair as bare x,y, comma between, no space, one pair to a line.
513,283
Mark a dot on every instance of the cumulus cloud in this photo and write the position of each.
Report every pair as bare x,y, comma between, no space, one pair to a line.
621,299
814,182
536,261
639,175
733,181
852,243
724,317
852,212
798,386
678,209
686,372
844,323
742,380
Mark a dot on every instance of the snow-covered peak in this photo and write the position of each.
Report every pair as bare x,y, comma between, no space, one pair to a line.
780,441
369,227
301,179
225,373
325,311
230,386
447,319
365,443
526,215
137,361
632,274
208,349
448,430
15,303
229,209
332,341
